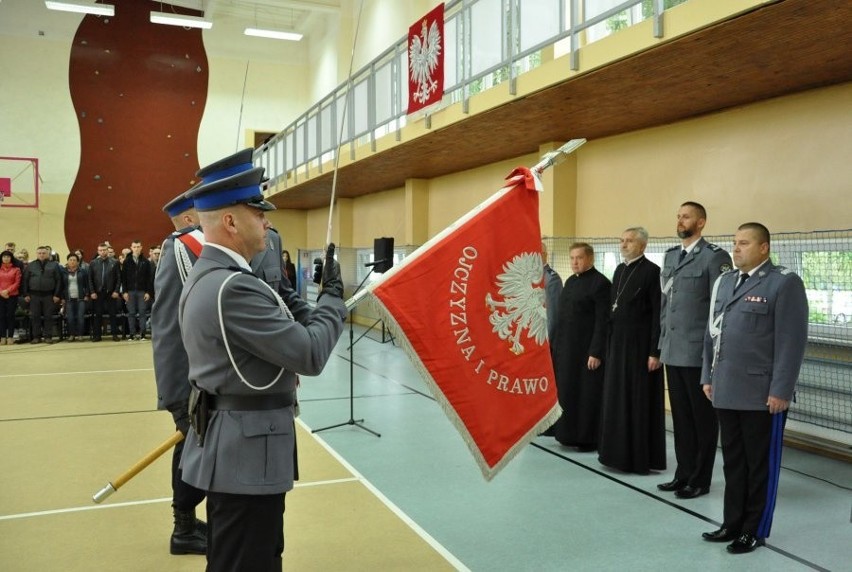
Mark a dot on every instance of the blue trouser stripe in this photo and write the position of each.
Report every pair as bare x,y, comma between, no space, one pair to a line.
776,442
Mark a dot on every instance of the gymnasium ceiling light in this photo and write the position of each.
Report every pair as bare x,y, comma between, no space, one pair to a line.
274,34
180,20
95,9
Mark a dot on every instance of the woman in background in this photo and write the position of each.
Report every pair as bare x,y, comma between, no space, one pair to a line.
289,268
75,294
10,283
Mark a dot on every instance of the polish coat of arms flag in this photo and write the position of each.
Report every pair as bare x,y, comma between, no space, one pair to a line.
426,60
469,309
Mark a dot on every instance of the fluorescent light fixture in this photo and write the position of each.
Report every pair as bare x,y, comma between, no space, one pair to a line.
95,9
274,34
180,20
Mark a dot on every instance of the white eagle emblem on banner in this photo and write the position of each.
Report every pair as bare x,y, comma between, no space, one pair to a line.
423,59
521,287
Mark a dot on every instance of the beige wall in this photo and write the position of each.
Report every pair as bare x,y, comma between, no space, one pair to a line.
784,162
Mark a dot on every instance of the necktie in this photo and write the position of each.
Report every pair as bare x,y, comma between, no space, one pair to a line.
743,278
682,255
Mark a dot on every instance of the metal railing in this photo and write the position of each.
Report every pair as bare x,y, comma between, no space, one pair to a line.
487,42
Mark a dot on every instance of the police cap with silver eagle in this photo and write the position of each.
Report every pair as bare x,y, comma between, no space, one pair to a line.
242,188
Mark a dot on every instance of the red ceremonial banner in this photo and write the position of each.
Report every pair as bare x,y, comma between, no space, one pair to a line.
469,308
5,187
426,60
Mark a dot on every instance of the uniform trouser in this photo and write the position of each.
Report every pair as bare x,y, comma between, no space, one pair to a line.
104,301
184,496
41,306
136,305
696,429
245,532
74,310
7,316
751,449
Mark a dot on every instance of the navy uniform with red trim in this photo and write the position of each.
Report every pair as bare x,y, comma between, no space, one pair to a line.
753,351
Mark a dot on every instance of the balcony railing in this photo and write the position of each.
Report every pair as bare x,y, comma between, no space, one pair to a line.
487,42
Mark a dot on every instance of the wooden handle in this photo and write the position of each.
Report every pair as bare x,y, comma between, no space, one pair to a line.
147,460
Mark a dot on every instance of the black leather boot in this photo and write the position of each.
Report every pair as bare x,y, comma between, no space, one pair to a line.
190,534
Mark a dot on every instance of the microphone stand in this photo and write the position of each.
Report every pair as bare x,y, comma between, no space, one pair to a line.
352,420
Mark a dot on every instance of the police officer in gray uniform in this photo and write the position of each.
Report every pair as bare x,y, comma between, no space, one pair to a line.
753,351
687,278
178,254
244,349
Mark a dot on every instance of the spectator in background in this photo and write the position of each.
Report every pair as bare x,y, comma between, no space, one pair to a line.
10,284
289,268
104,283
137,285
41,285
10,246
82,258
75,294
24,256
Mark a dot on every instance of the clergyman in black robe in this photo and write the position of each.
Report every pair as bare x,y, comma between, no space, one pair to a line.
580,343
633,416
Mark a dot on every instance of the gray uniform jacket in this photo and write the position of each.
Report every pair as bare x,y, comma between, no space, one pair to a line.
685,303
764,331
171,368
247,452
552,293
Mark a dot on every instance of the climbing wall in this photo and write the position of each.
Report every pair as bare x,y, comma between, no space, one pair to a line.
139,91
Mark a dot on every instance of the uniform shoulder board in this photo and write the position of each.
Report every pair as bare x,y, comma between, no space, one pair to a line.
675,247
782,269
714,247
726,269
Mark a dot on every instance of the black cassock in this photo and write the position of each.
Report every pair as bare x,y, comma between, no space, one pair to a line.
581,332
633,417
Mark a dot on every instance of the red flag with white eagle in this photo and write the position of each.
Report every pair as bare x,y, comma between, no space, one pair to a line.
426,60
469,310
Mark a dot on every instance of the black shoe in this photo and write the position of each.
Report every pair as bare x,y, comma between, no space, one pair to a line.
747,542
690,492
190,534
48,341
116,338
549,432
673,485
721,535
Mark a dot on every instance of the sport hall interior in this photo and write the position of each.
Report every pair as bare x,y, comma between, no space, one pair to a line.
743,106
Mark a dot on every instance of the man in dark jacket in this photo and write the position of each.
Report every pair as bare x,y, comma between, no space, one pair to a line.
41,285
104,282
137,284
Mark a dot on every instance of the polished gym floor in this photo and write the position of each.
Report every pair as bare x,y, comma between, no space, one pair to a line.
76,415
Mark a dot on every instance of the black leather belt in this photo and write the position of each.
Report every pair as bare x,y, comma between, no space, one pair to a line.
250,402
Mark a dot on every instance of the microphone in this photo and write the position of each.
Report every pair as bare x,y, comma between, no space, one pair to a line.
377,262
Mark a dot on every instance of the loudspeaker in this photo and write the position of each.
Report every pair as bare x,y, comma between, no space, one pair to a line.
382,254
